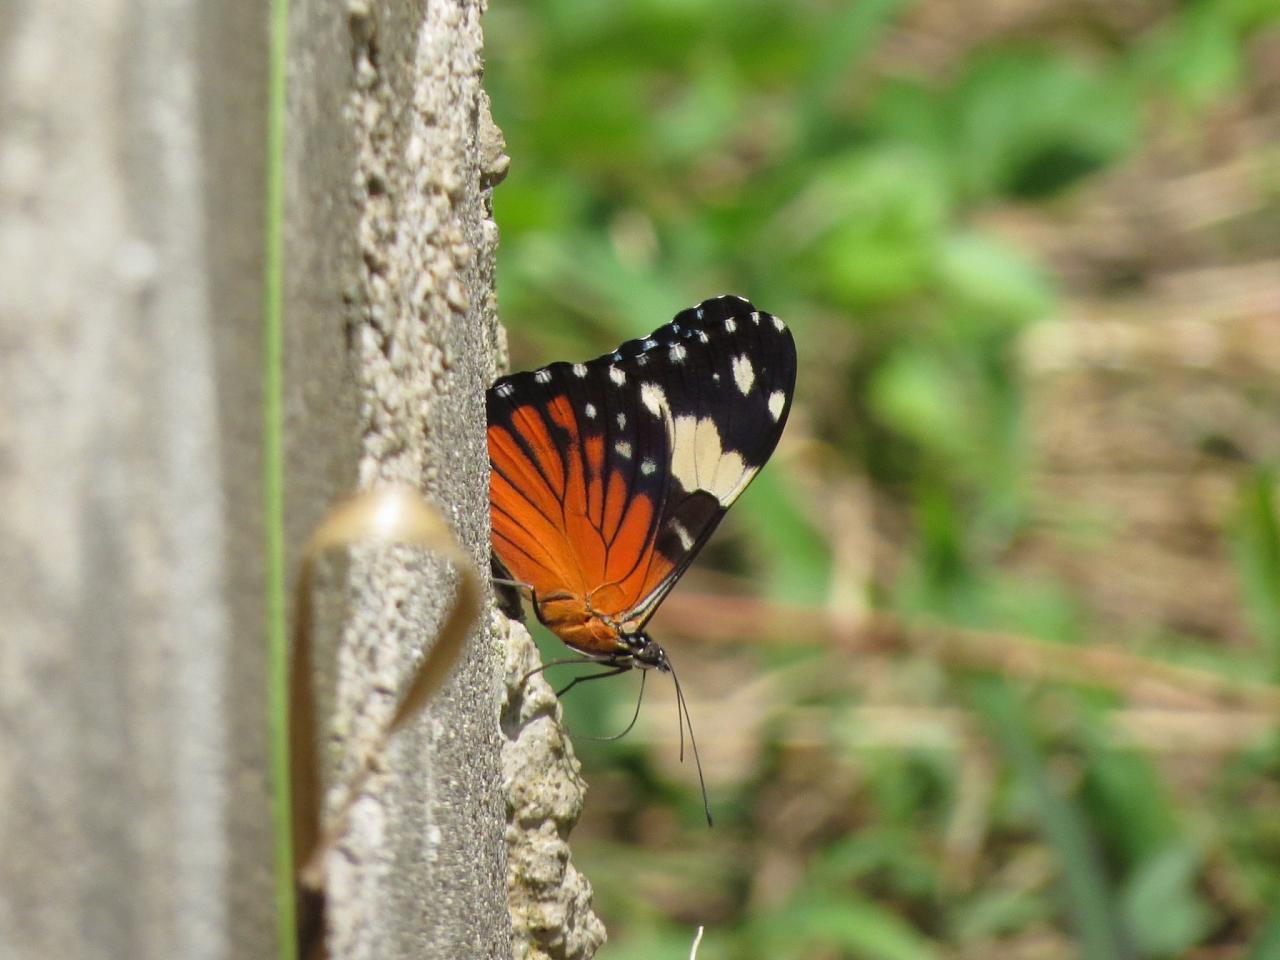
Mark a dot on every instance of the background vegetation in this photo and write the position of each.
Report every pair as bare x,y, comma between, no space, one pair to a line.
985,662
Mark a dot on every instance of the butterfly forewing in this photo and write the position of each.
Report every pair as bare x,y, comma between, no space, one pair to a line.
610,475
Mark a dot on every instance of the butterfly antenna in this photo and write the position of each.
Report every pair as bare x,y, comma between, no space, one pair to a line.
644,674
682,705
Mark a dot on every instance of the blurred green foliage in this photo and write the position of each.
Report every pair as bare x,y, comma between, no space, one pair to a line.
668,150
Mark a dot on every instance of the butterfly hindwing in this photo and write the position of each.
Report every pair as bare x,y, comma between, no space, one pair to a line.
610,475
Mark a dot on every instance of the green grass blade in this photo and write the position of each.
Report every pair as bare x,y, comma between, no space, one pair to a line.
1256,533
1088,895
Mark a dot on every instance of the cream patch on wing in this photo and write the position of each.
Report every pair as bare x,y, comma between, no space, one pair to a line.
777,401
700,462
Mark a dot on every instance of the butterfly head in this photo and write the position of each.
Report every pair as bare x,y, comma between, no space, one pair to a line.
646,653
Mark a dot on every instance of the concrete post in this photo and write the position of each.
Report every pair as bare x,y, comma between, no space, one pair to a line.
134,802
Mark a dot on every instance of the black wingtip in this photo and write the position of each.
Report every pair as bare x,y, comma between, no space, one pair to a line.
716,309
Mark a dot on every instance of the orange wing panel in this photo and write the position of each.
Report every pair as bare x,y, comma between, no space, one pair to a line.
560,524
528,521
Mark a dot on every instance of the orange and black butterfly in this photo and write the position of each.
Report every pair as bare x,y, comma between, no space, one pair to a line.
610,475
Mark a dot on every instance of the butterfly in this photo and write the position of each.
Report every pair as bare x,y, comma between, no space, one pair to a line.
609,476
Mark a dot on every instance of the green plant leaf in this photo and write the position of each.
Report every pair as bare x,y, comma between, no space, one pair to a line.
1162,910
1029,123
986,276
1085,885
860,927
1256,537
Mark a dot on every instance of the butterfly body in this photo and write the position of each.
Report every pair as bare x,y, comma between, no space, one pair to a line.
608,476
575,621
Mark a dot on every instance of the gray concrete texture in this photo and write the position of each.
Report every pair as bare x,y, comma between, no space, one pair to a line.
134,802
134,815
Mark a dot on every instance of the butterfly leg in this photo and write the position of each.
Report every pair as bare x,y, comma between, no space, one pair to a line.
559,663
612,672
539,601
514,612
533,595
505,582
507,590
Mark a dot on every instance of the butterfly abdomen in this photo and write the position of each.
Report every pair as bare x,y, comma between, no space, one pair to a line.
579,627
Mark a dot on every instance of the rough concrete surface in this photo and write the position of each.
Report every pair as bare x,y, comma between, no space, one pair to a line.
392,163
550,900
133,799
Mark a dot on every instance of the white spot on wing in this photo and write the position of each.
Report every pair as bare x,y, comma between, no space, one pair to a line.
677,352
622,421
743,373
730,324
617,375
623,448
702,335
777,401
504,390
591,411
778,324
579,369
755,318
543,376
686,541
647,466
653,398
649,344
